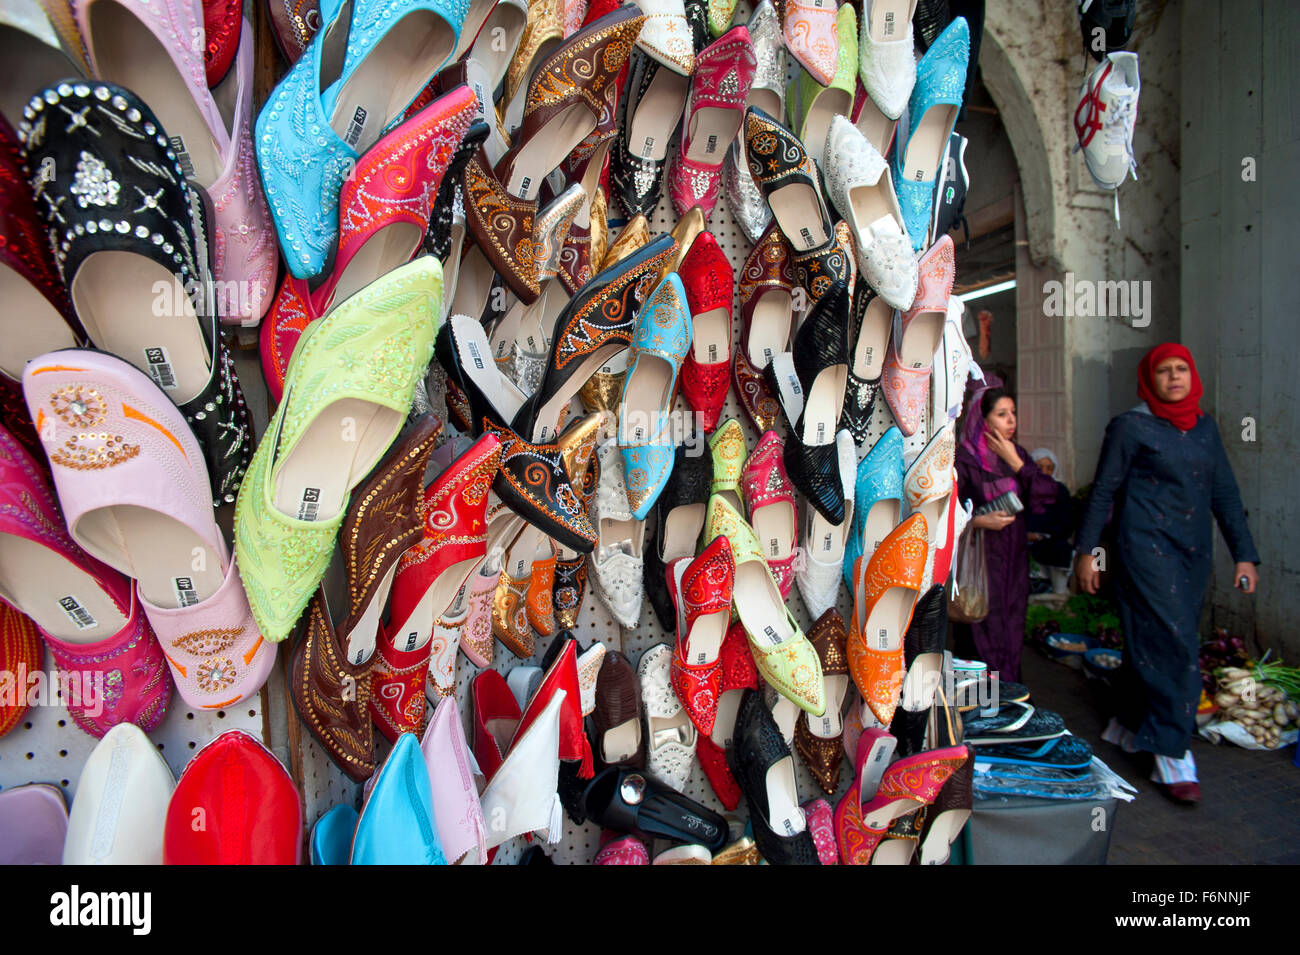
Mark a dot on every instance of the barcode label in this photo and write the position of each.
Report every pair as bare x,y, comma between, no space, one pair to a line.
532,344
460,604
309,504
889,24
807,237
794,386
526,185
501,349
711,146
713,354
475,356
411,638
521,568
76,613
774,546
183,589
701,659
648,149
767,355
772,636
826,726
356,127
789,827
160,367
826,543
884,640
182,156
821,433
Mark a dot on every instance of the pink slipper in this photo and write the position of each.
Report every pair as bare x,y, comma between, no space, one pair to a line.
629,850
916,336
454,778
808,27
86,612
821,823
135,496
124,41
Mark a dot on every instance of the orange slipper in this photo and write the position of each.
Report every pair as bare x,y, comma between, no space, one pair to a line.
885,590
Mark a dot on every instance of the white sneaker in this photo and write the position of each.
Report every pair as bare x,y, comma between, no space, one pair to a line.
1105,117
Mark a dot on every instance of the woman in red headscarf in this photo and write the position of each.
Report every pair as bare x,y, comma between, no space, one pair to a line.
1164,472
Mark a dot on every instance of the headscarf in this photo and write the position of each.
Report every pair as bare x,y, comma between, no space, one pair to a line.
1039,453
975,444
1182,414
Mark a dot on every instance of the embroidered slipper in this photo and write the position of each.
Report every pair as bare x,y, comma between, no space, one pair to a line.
135,496
38,315
20,654
86,612
122,793
347,394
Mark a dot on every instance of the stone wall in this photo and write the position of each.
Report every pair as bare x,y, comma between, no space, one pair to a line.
1240,134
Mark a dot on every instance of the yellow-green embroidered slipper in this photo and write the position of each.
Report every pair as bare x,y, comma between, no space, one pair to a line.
812,106
347,393
783,655
721,13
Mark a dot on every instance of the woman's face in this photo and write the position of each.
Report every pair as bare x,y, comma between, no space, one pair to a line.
1046,465
1002,419
1173,379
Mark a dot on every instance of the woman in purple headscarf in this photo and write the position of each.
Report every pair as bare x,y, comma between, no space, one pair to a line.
989,464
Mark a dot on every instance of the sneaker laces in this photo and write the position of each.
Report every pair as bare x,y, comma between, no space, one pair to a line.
1116,129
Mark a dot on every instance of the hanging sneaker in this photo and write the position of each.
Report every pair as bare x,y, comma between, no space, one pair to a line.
1104,120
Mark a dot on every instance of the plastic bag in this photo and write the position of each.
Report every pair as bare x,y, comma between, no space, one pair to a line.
970,601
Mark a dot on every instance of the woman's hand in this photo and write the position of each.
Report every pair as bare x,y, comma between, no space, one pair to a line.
1004,448
1247,570
1086,573
993,520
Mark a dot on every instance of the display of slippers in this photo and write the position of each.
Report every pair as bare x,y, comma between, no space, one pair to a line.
383,217
356,77
131,237
149,49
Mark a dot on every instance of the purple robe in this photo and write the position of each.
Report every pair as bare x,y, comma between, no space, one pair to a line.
999,637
